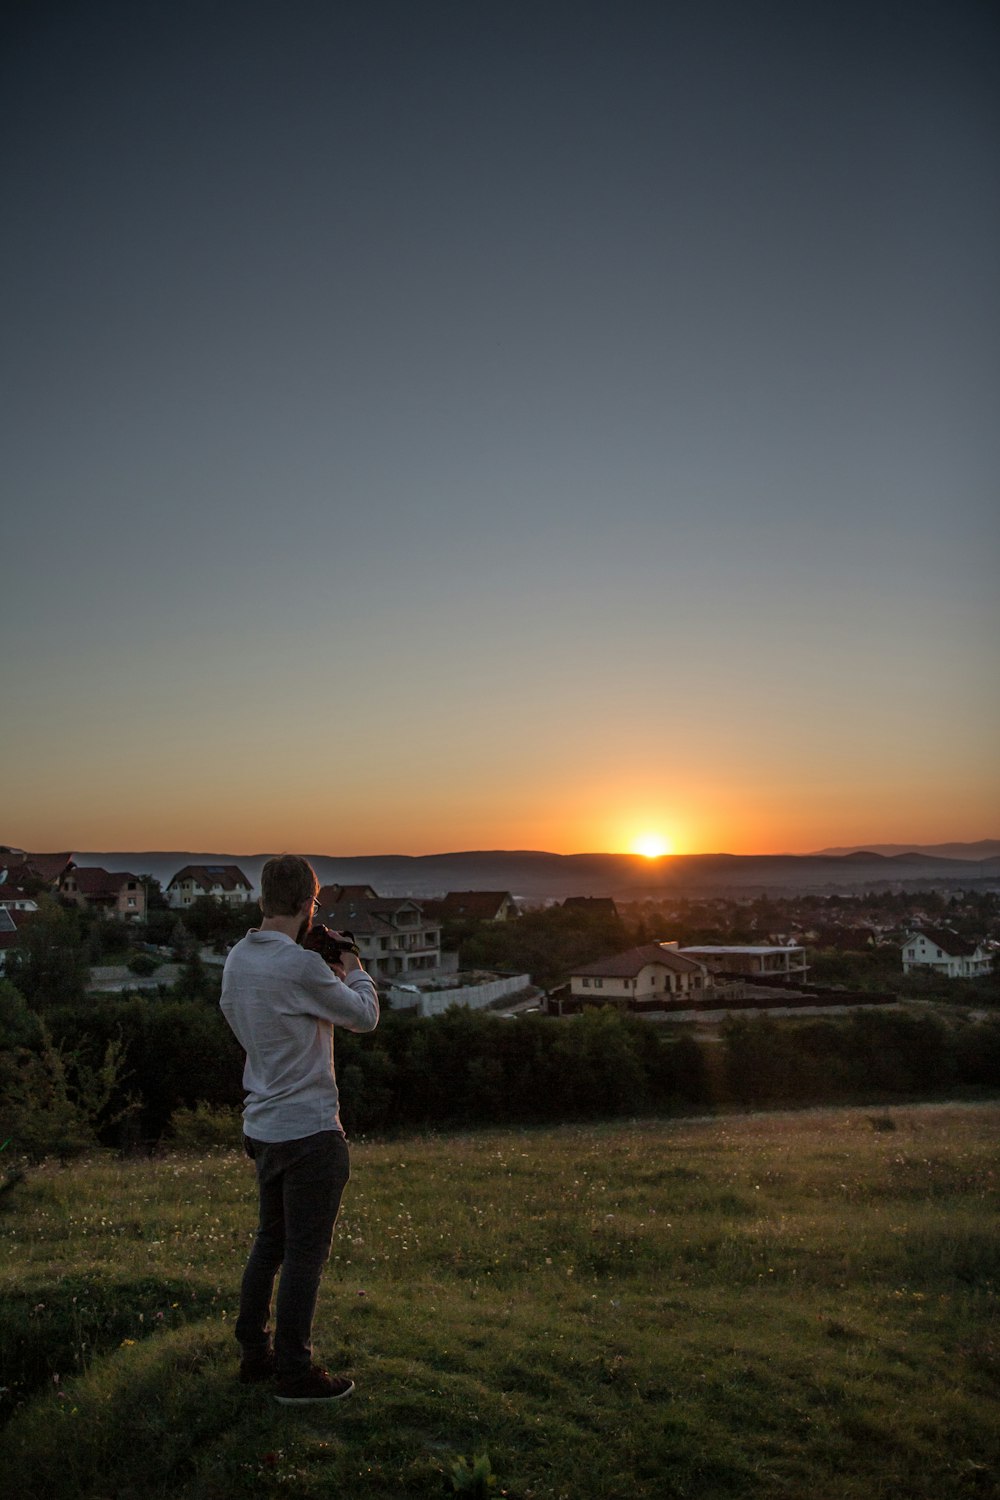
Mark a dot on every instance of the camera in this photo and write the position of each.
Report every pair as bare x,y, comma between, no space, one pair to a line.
328,945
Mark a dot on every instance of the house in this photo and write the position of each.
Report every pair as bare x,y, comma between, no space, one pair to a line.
642,978
224,882
334,894
591,906
473,906
8,935
34,871
11,923
756,962
942,950
393,933
116,893
14,898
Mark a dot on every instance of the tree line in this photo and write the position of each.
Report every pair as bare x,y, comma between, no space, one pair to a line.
120,1072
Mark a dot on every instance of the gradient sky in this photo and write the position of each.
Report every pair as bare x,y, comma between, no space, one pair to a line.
499,425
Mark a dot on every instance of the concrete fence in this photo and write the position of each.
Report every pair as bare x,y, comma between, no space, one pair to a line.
474,996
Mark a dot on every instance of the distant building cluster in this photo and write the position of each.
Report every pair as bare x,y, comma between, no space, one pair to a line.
399,937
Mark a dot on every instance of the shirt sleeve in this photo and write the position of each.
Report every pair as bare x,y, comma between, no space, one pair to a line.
351,1003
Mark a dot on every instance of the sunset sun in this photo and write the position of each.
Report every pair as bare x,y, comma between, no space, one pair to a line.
652,845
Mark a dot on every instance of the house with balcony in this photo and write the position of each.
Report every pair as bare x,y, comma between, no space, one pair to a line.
944,952
643,978
395,937
116,893
113,893
225,883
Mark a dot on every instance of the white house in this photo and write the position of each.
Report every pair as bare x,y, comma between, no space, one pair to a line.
946,953
225,882
640,978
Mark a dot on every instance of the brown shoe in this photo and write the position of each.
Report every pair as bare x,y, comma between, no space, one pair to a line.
315,1385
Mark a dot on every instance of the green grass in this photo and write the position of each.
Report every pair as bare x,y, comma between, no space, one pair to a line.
771,1306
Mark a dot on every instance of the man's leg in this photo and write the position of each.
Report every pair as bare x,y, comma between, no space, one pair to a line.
265,1256
314,1179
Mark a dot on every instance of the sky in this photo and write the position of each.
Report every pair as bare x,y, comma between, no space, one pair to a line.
432,426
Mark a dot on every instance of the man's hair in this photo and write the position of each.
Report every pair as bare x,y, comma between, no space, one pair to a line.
287,882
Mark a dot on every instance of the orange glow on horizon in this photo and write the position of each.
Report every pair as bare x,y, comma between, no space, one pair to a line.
652,846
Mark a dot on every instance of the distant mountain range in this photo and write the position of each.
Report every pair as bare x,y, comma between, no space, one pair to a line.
538,875
984,849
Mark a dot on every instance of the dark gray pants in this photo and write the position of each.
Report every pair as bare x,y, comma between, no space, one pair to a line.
300,1184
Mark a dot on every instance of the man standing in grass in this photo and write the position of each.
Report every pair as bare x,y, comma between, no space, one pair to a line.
283,1001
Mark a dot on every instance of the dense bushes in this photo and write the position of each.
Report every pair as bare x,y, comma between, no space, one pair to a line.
466,1069
122,1070
865,1052
174,1053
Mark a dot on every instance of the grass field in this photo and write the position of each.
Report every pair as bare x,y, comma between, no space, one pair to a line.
756,1306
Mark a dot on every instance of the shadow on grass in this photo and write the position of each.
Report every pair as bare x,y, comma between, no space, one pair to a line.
135,1424
168,1418
56,1330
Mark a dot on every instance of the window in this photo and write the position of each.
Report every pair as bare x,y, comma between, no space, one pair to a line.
586,984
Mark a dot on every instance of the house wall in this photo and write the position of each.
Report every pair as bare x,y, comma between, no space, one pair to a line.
129,902
601,989
412,951
188,891
652,979
132,901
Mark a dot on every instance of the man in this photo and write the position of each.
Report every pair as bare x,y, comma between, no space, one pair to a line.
283,1001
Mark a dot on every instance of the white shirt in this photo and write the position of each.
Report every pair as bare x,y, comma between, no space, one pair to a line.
283,1001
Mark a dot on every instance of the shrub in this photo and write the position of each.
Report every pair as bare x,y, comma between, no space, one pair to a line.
206,1127
977,1053
55,1101
142,964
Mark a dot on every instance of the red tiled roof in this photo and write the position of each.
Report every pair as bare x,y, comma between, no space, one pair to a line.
482,906
366,916
91,880
627,965
331,895
47,867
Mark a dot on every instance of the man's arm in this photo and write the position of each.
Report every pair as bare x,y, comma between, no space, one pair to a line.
351,1002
